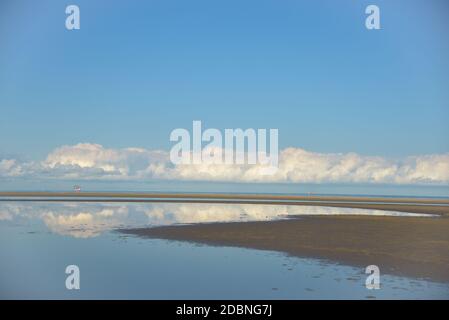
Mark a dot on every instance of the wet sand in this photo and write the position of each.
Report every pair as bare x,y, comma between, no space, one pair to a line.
417,247
439,206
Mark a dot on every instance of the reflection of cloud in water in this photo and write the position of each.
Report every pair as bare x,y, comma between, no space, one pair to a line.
86,224
83,220
5,215
79,220
170,213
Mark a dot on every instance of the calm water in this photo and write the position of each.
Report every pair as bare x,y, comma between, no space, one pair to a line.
38,241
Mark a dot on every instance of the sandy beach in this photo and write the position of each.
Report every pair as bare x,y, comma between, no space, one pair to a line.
438,206
417,247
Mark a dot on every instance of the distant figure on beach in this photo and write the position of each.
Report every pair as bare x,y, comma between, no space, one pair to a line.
76,188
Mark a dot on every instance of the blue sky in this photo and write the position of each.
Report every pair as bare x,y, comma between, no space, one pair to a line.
137,70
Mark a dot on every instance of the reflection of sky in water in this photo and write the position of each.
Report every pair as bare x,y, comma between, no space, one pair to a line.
38,240
83,220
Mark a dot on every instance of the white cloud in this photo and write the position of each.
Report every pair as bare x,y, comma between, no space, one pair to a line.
10,168
86,159
93,161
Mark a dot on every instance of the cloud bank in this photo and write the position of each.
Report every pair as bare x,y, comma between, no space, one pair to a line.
93,161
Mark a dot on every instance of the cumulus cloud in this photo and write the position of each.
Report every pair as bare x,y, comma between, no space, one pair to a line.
302,166
93,161
10,168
